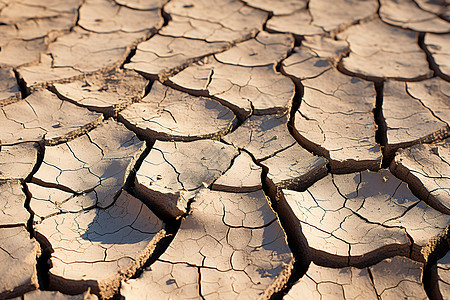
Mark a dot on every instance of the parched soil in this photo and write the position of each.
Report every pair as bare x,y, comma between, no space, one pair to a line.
225,149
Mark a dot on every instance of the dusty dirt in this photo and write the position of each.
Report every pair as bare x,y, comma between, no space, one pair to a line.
224,149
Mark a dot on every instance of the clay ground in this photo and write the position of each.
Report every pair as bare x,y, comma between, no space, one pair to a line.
224,149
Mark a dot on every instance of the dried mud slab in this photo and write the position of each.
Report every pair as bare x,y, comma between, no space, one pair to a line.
443,273
17,161
264,49
98,248
141,4
164,280
9,88
163,56
378,50
12,201
104,16
398,278
435,6
393,278
408,113
357,219
80,52
298,23
305,64
98,161
438,45
21,53
36,28
17,260
168,114
336,15
262,136
245,90
426,170
16,49
243,176
434,94
107,93
173,172
295,168
314,57
335,119
328,283
323,16
213,21
325,47
20,11
231,246
53,295
407,14
283,7
50,201
42,116
111,31
27,27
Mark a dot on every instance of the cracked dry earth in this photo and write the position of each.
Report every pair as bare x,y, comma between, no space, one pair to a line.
224,149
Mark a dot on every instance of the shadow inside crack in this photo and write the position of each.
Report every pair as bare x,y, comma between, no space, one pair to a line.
122,223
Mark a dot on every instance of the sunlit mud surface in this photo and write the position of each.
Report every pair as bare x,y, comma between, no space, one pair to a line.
224,149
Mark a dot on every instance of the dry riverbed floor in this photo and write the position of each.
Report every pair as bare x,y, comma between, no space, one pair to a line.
224,149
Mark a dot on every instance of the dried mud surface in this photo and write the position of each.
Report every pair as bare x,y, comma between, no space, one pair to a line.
224,149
